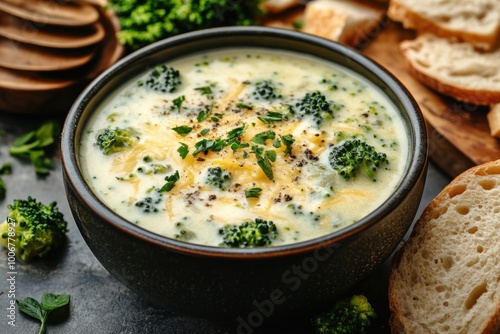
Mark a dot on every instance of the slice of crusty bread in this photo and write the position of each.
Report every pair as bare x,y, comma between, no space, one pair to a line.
446,278
473,21
344,21
493,118
454,69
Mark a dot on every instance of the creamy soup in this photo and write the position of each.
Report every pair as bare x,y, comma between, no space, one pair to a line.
239,135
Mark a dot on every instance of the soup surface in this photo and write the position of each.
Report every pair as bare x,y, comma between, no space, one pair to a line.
230,136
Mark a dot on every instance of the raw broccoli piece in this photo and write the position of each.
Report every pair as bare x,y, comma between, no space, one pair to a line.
348,316
256,233
164,79
33,228
218,177
116,140
143,22
352,155
316,105
265,90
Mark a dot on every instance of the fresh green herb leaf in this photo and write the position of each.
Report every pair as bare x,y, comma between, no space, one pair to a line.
253,192
205,90
204,131
33,145
41,311
183,150
261,138
244,105
6,168
204,113
3,188
171,180
271,155
265,165
288,141
183,130
178,102
237,145
236,132
205,145
277,143
271,117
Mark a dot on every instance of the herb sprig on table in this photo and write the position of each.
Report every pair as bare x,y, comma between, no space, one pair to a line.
41,311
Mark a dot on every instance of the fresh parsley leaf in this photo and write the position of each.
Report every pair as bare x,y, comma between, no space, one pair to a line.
183,150
271,155
277,143
178,102
244,105
41,311
261,138
6,168
288,141
204,131
236,145
171,180
253,192
266,166
205,90
183,130
271,117
33,145
204,113
206,145
236,132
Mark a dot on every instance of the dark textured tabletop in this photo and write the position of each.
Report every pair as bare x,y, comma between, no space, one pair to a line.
99,303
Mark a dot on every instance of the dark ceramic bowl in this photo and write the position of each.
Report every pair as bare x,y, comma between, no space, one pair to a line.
251,283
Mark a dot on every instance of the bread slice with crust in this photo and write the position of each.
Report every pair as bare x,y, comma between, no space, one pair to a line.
446,278
344,21
454,69
473,21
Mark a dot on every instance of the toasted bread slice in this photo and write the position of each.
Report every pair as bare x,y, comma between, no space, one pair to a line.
493,118
446,278
454,69
473,21
344,21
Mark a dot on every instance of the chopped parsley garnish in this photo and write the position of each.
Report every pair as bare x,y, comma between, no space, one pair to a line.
183,130
253,192
261,138
178,102
271,117
205,90
171,180
244,105
287,141
204,113
183,150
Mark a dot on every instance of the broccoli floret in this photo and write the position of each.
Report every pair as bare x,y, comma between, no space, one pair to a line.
146,21
256,233
348,316
116,140
164,79
33,228
352,155
316,105
218,177
265,90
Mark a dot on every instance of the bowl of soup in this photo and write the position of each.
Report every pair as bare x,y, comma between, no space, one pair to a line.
236,172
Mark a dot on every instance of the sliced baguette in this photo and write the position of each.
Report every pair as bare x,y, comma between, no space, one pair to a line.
454,69
473,21
446,278
493,118
344,21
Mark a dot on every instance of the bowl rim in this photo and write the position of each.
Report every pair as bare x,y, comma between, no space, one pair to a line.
415,168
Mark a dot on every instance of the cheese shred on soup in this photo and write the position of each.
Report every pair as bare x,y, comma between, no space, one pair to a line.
235,136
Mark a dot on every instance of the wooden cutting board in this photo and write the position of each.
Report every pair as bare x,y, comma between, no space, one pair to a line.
458,133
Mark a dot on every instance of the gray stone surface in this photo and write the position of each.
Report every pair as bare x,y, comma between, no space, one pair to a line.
99,303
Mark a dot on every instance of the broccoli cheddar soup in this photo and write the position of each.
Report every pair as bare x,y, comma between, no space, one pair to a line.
244,148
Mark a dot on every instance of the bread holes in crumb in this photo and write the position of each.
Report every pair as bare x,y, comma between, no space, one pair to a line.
487,184
462,209
491,170
457,190
475,294
436,214
473,229
447,262
480,249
